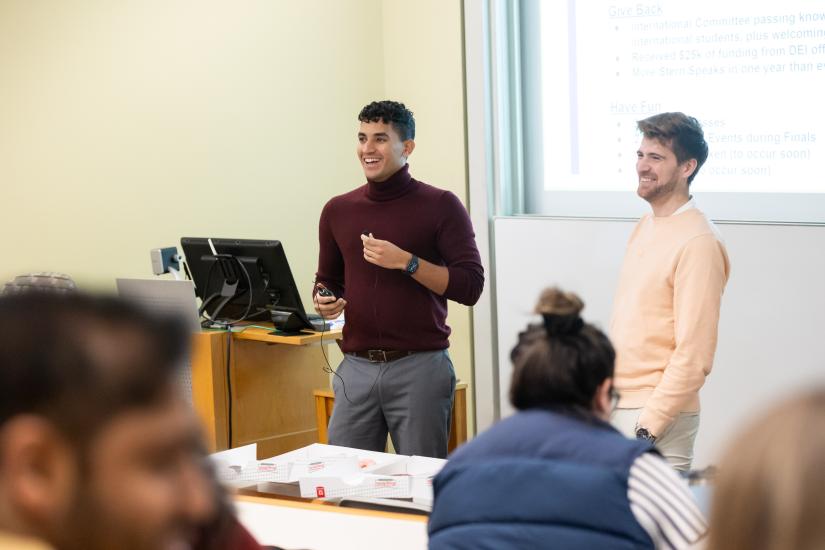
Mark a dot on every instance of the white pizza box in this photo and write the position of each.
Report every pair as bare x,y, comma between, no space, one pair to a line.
421,489
230,465
235,457
319,458
412,466
327,466
239,468
421,471
357,485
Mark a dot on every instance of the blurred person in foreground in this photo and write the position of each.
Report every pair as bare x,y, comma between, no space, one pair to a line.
97,448
770,489
557,474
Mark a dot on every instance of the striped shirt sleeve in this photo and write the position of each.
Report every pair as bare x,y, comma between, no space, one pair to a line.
663,505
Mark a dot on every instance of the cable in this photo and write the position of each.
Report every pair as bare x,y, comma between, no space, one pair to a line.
204,297
229,387
229,324
186,271
328,368
243,328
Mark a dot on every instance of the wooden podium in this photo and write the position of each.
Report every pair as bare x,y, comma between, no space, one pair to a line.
272,378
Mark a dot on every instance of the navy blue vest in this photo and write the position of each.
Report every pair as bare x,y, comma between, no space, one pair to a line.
538,479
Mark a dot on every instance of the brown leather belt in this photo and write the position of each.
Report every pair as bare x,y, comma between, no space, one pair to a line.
380,355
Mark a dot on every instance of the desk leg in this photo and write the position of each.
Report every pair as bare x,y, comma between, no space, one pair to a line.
321,418
458,420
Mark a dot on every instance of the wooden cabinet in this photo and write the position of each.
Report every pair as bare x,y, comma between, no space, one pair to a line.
272,378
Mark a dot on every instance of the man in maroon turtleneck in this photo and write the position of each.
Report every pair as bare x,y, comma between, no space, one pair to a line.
392,252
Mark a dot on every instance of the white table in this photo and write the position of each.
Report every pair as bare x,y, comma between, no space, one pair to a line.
313,526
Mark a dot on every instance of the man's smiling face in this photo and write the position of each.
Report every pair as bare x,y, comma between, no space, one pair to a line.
660,174
381,151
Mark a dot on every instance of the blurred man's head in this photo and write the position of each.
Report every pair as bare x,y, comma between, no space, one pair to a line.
97,448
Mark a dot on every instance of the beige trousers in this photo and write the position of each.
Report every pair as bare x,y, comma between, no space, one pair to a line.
675,444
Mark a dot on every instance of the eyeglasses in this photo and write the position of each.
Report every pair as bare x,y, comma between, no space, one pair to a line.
614,398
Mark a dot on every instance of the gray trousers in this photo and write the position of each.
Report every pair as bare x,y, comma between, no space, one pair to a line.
410,398
675,444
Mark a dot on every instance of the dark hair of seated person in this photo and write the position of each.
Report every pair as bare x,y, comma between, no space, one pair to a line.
559,363
79,359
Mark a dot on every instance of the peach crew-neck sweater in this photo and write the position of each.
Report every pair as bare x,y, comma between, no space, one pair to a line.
666,315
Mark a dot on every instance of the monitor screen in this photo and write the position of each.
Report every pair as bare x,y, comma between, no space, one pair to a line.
247,279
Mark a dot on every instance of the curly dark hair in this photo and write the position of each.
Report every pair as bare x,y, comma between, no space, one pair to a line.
393,113
680,132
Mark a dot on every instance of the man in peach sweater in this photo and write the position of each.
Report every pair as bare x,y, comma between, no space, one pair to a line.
666,308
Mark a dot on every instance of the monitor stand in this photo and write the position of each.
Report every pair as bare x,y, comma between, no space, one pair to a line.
287,322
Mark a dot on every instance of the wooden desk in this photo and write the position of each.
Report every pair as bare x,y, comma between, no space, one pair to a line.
272,378
325,401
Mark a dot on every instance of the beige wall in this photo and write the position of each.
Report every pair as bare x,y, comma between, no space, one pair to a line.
126,125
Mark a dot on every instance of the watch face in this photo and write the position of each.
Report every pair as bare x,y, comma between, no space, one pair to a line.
412,267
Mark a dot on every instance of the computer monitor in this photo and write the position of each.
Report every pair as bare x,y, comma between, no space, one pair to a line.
247,279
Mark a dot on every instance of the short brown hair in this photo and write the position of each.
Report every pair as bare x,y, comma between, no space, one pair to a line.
681,133
770,491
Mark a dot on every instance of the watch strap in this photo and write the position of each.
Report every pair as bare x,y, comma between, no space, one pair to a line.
412,265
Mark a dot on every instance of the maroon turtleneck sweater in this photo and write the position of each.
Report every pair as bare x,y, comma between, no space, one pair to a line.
386,308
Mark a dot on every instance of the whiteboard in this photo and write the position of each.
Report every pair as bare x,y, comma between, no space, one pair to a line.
772,325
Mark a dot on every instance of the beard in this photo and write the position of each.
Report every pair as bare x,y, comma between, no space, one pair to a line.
657,191
90,525
87,526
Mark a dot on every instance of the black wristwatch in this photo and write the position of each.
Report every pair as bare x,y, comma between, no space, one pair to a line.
644,434
412,265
